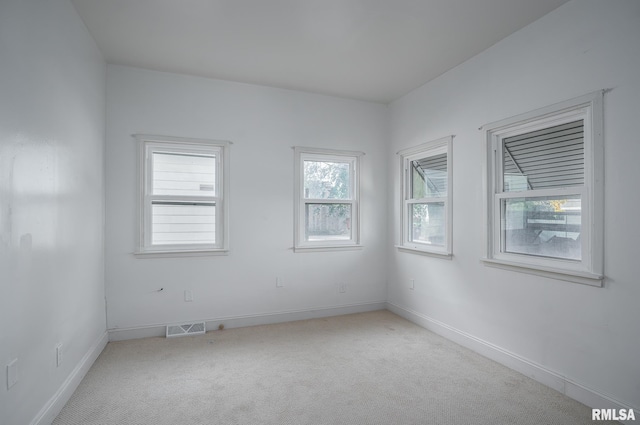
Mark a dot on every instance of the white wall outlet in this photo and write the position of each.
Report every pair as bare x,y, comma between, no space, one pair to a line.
412,284
188,296
279,283
12,373
342,287
59,355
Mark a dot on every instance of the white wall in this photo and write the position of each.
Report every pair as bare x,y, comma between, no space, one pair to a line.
51,201
52,85
263,124
588,336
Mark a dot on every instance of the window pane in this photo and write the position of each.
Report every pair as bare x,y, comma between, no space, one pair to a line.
327,180
429,177
549,158
545,226
327,222
173,223
427,223
184,174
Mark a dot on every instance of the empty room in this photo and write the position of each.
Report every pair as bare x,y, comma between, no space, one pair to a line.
319,212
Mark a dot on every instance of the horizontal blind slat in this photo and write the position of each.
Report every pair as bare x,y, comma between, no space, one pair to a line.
550,157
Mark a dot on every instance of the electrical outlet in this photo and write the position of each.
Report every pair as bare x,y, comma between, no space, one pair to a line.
342,288
412,284
12,373
279,283
58,355
188,296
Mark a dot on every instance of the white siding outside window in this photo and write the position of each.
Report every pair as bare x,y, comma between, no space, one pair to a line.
545,191
183,190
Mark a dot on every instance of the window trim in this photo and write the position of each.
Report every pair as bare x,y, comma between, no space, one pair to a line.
354,158
146,144
424,150
589,270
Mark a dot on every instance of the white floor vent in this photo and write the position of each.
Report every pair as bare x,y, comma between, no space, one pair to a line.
185,329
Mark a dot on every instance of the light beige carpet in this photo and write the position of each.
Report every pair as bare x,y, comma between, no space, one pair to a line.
369,368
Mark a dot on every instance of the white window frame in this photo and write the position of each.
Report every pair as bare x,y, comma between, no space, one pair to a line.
147,145
425,150
300,202
588,270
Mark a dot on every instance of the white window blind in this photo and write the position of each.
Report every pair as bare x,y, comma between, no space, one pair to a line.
545,193
426,198
549,158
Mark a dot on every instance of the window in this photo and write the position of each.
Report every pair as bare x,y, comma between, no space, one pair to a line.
426,197
183,191
327,200
545,193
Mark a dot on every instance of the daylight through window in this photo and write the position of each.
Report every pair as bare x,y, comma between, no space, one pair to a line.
426,200
182,199
545,190
327,202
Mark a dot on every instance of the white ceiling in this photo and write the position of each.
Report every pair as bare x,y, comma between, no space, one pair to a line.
375,50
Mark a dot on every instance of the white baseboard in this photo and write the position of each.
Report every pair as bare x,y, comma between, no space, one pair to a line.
584,395
120,334
53,407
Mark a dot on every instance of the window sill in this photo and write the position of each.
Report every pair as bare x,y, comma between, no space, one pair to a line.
181,253
327,248
584,278
443,255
